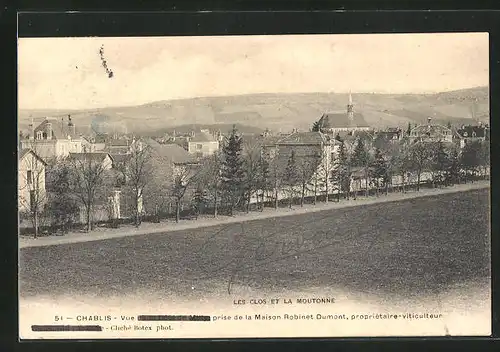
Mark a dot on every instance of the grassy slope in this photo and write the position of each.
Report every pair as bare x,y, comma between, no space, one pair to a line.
407,248
283,111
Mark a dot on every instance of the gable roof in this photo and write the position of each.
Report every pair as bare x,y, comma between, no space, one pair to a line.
171,152
309,138
120,158
340,119
60,129
23,152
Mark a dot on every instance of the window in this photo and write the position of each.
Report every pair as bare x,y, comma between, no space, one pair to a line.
29,177
39,135
199,146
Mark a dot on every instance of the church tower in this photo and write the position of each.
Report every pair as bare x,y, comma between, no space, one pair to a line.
350,110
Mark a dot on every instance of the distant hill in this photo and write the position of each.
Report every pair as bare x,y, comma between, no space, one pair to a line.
277,111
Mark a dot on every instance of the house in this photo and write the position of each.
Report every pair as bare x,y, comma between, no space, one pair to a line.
105,159
431,133
119,146
90,144
171,155
470,133
314,152
53,139
202,144
391,134
31,180
303,143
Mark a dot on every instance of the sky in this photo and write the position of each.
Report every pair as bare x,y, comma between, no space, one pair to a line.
67,73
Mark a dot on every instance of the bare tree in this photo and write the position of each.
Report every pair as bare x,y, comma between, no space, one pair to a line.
400,161
62,204
275,179
137,171
291,177
32,193
305,167
420,154
183,177
156,191
317,163
209,177
324,170
88,178
484,158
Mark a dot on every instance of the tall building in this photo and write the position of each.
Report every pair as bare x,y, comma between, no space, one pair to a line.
334,122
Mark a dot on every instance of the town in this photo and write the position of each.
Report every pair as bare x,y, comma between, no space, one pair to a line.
69,180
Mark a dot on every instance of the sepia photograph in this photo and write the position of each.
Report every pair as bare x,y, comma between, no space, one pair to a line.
272,186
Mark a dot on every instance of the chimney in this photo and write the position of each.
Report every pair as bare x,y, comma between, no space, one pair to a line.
429,120
48,130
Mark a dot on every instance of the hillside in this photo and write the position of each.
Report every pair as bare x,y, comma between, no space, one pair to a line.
278,111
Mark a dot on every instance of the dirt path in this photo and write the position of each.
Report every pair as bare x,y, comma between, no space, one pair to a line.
169,226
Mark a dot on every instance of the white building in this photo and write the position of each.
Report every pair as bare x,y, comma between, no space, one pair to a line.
53,139
31,180
202,144
431,132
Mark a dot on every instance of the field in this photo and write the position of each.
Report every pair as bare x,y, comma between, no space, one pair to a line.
408,248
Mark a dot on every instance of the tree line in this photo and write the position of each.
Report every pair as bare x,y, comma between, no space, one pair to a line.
240,177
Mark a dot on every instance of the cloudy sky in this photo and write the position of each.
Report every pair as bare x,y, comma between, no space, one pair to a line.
67,73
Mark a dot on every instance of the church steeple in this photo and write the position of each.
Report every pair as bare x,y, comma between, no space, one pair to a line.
350,109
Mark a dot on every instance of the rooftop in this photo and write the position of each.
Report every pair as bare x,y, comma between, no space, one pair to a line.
26,151
95,156
202,137
309,138
341,120
119,143
60,128
171,152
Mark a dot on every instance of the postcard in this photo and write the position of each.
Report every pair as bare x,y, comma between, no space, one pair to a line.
254,186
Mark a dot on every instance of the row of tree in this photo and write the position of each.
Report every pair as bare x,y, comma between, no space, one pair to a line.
228,180
240,172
